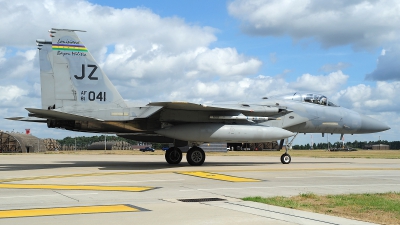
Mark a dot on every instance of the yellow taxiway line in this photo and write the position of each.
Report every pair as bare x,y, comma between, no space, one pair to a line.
79,175
75,187
182,172
66,211
216,176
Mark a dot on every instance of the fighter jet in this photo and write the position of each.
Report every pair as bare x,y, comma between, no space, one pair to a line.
77,95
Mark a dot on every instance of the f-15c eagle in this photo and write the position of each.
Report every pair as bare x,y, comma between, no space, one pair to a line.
77,95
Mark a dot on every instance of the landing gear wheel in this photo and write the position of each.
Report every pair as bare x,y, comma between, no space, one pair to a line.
173,155
285,158
195,156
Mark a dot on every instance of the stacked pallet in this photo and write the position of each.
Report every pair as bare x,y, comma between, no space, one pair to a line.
51,144
112,145
264,146
121,145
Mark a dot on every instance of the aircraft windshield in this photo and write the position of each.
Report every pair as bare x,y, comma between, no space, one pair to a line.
311,98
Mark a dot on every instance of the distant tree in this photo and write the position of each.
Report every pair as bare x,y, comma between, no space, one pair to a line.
297,147
86,141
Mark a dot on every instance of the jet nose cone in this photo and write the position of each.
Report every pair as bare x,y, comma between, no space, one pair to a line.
371,125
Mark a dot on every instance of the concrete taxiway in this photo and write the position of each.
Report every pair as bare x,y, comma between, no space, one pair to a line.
144,189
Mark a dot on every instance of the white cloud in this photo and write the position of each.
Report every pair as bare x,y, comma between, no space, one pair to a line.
321,84
2,54
134,25
20,65
361,23
146,56
10,94
28,55
388,66
364,98
225,62
377,103
206,91
197,63
242,89
354,95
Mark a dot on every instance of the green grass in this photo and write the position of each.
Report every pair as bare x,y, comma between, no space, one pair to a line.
382,208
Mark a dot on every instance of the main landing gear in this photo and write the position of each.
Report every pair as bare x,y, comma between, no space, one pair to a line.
285,157
195,156
173,155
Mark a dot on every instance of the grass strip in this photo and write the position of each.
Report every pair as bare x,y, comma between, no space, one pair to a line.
382,208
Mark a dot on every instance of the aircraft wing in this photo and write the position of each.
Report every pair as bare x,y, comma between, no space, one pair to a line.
270,110
186,106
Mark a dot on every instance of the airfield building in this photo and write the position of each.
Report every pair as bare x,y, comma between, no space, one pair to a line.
12,142
380,147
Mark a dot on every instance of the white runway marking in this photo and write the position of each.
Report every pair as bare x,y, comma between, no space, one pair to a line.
130,181
35,196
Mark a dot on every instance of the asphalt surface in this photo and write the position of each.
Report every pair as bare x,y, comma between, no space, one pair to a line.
143,189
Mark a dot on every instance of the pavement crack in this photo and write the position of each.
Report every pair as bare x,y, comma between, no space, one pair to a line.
66,196
285,214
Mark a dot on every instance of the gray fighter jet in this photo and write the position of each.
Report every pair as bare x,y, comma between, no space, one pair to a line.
78,96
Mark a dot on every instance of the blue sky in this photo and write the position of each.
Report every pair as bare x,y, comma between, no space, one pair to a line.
212,51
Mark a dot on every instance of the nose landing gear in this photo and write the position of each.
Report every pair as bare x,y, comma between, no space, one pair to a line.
285,157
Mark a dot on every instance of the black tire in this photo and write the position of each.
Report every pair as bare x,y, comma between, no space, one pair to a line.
173,155
196,156
285,158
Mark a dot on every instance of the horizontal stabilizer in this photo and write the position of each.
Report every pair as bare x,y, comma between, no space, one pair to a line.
28,119
54,114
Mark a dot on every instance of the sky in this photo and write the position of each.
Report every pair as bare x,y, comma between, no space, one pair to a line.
213,51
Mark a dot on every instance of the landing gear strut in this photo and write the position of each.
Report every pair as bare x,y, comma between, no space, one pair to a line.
285,157
195,156
173,155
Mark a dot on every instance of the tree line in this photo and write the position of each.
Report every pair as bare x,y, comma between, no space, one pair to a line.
84,142
395,145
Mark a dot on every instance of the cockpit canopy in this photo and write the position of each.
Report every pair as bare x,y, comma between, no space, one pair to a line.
311,98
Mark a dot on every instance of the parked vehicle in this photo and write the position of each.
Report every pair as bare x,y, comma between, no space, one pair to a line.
147,149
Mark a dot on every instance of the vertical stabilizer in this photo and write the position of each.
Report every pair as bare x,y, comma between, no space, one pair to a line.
46,73
71,78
